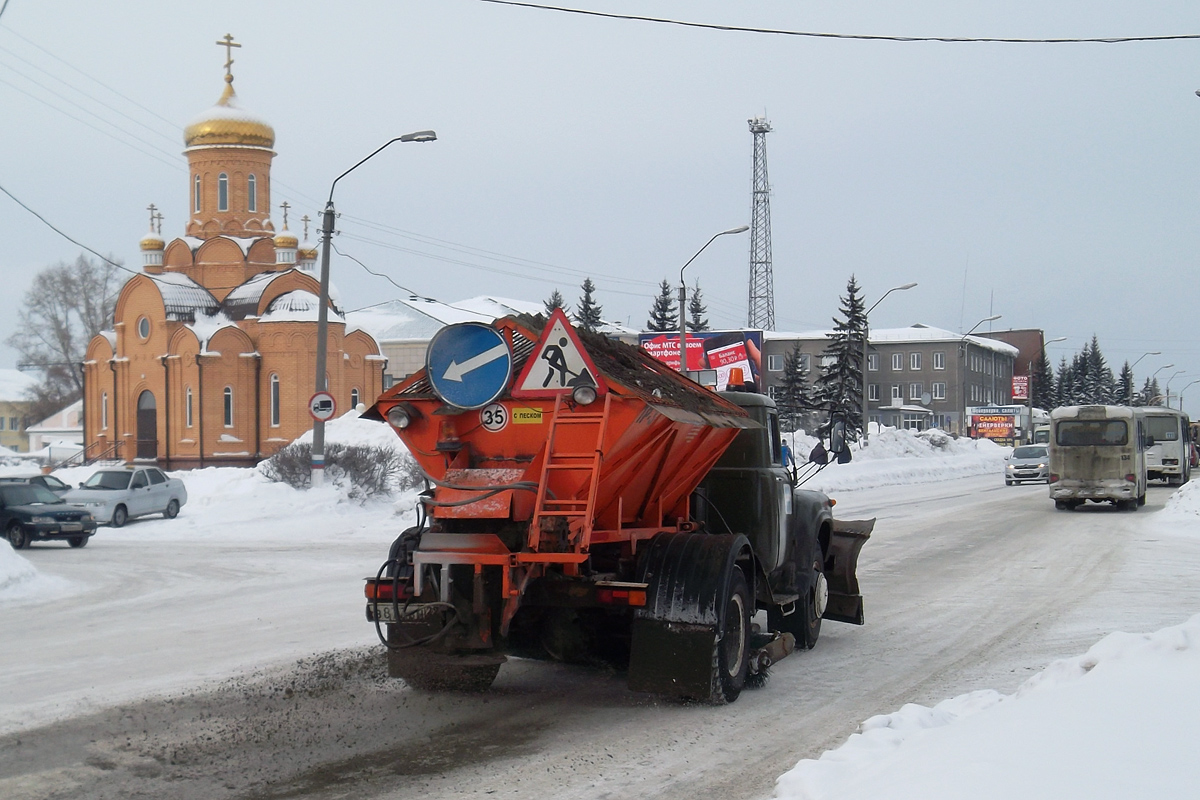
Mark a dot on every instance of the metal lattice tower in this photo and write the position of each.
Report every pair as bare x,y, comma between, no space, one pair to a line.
761,313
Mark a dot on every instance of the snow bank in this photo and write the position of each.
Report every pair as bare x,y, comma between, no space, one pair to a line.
1120,721
897,457
21,582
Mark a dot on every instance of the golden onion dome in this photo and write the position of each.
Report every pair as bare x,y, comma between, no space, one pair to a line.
152,241
286,238
227,124
307,252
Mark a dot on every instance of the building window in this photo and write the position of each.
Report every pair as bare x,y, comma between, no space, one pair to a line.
804,362
144,328
873,392
354,398
771,392
196,195
104,410
228,406
897,361
252,193
939,360
775,363
14,423
915,390
1,423
939,391
827,361
222,192
914,360
896,393
274,400
187,407
872,362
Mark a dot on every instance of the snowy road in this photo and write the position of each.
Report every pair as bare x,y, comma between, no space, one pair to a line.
969,584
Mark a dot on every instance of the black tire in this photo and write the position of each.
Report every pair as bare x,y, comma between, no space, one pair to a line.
78,541
120,517
731,653
172,510
1063,505
1007,482
804,622
16,536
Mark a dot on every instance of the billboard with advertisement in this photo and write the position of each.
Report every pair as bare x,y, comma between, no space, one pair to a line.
993,426
1020,387
716,350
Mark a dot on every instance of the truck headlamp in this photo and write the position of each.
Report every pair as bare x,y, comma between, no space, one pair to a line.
402,415
584,395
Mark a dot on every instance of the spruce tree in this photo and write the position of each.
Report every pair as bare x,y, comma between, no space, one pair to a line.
587,312
1099,386
554,301
697,310
1043,384
1125,394
839,387
1062,384
794,398
662,314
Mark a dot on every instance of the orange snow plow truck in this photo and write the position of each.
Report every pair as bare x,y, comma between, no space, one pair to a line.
587,503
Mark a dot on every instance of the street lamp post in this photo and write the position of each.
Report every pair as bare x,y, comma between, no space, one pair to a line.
1134,364
318,442
866,338
1184,389
683,296
963,346
1029,389
1153,375
1173,377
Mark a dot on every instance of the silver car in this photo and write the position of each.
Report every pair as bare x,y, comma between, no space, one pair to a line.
117,495
1028,463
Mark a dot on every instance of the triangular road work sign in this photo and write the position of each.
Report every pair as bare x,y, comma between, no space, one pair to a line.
558,364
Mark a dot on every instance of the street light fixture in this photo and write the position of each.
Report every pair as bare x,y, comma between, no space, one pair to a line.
683,296
963,346
1143,355
1153,375
1184,389
318,441
866,416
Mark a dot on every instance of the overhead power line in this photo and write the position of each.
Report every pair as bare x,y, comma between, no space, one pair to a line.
856,36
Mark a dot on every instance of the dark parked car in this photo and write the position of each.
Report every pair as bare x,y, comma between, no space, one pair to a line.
48,481
31,513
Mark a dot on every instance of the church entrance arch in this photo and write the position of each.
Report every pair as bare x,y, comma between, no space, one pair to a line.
147,426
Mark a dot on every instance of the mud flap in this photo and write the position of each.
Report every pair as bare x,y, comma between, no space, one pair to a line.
841,565
674,636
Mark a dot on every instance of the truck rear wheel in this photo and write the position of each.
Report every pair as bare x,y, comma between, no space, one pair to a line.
731,655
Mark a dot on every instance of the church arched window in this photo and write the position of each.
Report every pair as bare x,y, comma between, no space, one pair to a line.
228,406
353,398
274,400
187,408
104,410
196,195
222,192
252,193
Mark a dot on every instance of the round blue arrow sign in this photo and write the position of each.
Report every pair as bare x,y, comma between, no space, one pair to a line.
468,364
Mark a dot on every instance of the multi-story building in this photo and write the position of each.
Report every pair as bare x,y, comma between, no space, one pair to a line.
917,377
14,409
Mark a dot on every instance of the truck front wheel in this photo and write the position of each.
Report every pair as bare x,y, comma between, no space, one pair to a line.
805,620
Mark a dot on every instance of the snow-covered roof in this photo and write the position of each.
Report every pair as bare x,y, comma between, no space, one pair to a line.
205,327
243,300
244,242
296,306
65,418
183,297
14,384
910,335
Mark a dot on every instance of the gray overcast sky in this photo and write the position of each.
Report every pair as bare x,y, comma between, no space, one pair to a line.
1053,184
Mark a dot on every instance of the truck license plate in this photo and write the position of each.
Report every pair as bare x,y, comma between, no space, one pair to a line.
384,612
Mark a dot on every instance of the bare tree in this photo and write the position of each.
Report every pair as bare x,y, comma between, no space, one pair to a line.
65,307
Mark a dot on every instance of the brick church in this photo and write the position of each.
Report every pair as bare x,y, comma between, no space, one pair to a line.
211,357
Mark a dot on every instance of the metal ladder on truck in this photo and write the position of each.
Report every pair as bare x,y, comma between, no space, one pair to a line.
569,467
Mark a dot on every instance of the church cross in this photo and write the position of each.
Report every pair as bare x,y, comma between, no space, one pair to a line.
284,205
228,43
159,219
152,209
305,220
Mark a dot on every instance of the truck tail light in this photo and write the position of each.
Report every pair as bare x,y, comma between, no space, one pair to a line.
387,591
1053,478
621,597
1131,478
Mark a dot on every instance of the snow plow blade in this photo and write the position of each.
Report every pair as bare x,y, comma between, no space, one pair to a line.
841,565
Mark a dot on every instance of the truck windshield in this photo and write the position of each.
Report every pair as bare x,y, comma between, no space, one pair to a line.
1092,432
